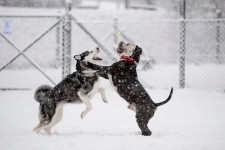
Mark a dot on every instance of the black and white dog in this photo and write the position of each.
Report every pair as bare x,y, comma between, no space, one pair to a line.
78,87
124,80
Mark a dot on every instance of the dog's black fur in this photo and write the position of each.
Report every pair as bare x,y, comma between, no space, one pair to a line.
77,87
123,77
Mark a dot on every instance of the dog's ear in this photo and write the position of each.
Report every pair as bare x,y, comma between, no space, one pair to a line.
77,57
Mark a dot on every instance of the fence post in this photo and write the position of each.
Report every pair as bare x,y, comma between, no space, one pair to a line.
182,45
58,43
66,45
218,35
126,4
115,26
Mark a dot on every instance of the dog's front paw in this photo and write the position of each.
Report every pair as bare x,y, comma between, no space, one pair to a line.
82,115
105,100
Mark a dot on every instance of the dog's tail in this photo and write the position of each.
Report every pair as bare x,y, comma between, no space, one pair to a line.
40,92
167,100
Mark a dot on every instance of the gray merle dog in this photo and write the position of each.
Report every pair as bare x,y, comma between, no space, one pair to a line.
124,80
78,87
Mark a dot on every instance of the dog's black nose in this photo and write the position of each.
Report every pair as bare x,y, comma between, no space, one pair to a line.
98,50
138,49
120,44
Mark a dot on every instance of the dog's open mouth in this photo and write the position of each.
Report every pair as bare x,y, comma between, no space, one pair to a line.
96,57
121,48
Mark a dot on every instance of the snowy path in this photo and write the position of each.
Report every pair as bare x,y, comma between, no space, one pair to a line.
193,119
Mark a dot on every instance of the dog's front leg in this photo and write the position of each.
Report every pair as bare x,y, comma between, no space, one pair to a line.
86,100
102,92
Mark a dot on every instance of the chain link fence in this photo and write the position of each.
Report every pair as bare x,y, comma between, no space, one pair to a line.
205,54
180,53
29,51
161,41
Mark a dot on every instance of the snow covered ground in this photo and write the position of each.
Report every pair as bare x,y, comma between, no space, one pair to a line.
193,119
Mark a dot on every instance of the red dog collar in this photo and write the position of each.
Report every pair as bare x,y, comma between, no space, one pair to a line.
129,59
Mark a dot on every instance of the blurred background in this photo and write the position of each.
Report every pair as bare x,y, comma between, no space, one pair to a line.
183,41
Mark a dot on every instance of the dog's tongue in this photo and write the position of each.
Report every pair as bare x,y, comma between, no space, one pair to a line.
97,58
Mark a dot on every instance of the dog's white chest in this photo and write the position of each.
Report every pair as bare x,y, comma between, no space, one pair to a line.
94,90
111,82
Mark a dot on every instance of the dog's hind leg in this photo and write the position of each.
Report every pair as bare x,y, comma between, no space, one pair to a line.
39,127
102,92
55,119
143,125
42,124
86,100
143,117
88,108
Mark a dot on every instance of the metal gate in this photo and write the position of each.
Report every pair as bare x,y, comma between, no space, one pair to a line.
27,44
15,74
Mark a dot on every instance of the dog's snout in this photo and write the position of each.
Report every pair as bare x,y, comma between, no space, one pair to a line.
77,57
121,47
138,49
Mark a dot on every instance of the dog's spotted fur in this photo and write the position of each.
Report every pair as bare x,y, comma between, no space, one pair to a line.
124,80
